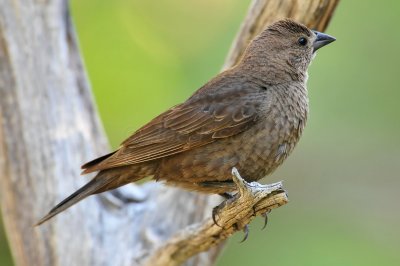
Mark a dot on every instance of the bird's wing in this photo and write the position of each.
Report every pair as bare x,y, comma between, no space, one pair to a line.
181,128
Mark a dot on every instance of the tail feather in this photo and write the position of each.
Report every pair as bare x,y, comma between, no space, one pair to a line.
105,180
94,186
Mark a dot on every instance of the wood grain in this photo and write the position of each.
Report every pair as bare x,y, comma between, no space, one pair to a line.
49,126
234,214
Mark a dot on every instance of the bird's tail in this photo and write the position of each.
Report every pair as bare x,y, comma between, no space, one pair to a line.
105,180
98,184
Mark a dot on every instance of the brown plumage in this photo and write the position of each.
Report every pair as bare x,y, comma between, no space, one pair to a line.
249,117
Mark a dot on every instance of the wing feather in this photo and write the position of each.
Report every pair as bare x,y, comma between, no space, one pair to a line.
183,127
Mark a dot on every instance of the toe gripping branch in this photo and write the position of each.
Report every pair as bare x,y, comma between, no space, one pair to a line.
232,215
251,200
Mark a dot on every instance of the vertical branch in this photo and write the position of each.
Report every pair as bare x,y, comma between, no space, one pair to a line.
49,126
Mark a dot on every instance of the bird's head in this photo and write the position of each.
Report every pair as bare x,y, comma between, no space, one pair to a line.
285,46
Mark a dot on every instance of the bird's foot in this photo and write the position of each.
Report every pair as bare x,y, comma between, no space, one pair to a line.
251,199
227,195
216,209
228,198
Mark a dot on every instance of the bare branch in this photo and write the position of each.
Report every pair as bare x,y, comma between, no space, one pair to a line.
233,215
49,126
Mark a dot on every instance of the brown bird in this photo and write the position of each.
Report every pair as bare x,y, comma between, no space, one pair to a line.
249,117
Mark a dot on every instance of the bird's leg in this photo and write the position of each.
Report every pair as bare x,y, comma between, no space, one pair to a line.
246,192
246,229
228,197
220,185
215,210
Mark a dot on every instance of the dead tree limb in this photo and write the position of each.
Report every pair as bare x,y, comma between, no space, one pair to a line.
234,214
49,126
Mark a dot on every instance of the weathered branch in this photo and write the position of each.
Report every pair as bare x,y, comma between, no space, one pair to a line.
234,214
49,126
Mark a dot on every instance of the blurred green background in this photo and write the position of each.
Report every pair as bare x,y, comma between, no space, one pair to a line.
344,177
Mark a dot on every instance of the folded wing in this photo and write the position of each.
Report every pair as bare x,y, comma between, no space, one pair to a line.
181,128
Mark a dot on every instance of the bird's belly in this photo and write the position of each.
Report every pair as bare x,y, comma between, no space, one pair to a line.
268,148
256,153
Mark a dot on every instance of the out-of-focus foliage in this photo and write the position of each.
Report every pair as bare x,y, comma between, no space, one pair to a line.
344,177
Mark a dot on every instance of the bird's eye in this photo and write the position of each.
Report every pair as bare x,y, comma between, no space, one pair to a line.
302,41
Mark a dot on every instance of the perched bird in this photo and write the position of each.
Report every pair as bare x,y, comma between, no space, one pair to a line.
250,117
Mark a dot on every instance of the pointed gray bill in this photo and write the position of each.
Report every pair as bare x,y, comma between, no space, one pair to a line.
322,40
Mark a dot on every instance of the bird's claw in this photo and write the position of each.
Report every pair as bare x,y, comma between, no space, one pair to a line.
246,233
228,197
265,215
214,215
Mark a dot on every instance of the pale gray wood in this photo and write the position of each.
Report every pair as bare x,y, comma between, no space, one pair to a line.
49,127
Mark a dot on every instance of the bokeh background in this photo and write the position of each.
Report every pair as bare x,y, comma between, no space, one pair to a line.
344,177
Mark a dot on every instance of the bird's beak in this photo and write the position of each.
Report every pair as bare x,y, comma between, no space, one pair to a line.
322,40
